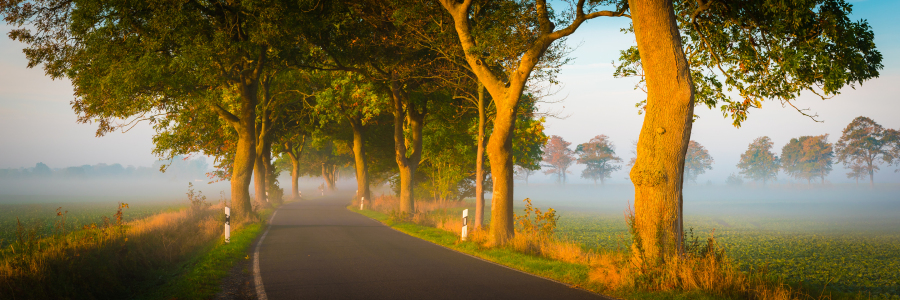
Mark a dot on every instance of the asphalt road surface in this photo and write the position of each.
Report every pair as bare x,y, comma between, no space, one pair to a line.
317,249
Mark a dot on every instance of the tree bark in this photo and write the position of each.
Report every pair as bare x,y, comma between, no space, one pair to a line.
359,155
259,178
479,162
506,93
658,173
295,176
500,153
294,154
405,111
328,176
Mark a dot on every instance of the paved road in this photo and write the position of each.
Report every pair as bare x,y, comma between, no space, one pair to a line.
317,249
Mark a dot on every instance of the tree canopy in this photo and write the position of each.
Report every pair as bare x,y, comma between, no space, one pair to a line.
557,157
807,157
599,157
759,163
864,145
696,161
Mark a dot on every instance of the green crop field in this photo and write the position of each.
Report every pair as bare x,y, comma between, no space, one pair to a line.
849,255
42,216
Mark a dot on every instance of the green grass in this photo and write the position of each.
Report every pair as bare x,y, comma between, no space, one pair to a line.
568,273
848,255
202,275
855,260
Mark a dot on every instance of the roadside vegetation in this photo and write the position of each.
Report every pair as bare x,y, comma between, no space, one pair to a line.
176,253
593,252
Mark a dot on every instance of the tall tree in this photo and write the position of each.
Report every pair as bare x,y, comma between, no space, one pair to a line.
764,49
807,157
558,157
140,60
531,25
696,161
599,156
865,144
292,145
759,162
345,96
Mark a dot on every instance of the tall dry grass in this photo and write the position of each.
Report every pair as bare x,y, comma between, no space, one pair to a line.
704,267
112,259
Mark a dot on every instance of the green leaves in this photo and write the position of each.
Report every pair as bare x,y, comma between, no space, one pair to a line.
768,49
599,154
759,162
696,161
807,157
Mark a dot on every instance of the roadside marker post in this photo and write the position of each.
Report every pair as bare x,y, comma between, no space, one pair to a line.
362,200
465,221
227,225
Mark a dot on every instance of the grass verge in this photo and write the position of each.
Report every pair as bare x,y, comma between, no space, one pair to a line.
569,266
202,275
572,274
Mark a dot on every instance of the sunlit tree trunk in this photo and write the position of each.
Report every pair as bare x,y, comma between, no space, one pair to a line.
359,155
479,162
658,173
500,153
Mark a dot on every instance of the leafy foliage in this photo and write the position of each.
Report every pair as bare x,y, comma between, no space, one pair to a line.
696,161
599,154
759,162
807,157
864,145
557,157
768,49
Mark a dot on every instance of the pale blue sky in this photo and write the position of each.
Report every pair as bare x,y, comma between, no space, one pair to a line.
38,125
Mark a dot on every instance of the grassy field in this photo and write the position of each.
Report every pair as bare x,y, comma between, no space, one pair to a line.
43,216
849,255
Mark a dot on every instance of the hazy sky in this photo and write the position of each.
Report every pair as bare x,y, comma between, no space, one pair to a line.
37,123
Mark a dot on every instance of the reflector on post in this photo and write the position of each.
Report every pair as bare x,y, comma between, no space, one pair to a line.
227,225
465,222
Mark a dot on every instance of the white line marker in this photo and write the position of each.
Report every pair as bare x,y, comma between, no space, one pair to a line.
260,289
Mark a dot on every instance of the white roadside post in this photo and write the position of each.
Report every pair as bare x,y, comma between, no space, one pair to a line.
362,200
465,226
227,225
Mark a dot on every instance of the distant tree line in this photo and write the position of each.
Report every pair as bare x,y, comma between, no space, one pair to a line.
179,168
863,147
600,160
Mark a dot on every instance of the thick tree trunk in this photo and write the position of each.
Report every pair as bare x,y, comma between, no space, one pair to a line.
415,122
359,155
658,173
295,178
479,163
500,153
405,110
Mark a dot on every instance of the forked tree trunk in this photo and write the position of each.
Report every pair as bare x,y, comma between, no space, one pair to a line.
359,155
405,110
328,174
479,163
658,173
